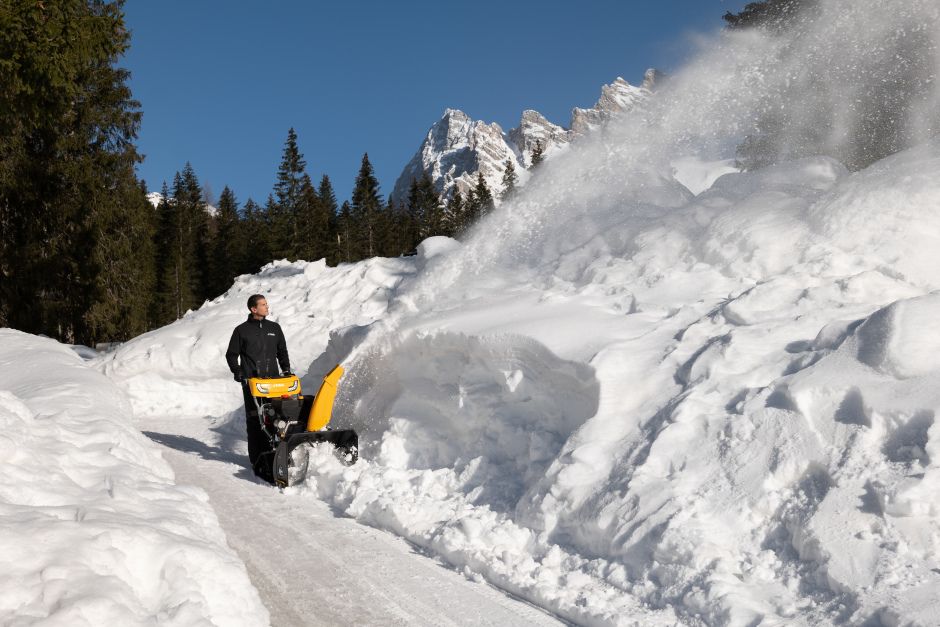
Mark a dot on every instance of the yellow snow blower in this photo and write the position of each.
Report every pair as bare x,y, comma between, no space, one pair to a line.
291,420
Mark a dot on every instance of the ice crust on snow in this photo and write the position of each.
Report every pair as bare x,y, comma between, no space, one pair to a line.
94,530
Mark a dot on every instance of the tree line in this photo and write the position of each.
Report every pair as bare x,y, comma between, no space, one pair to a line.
198,252
86,258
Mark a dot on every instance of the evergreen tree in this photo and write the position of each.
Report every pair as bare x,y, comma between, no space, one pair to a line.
537,154
162,308
179,273
425,214
270,242
344,234
328,203
385,231
315,223
198,229
67,125
411,218
255,238
396,240
327,195
229,248
479,204
124,265
432,210
365,210
454,215
509,180
286,217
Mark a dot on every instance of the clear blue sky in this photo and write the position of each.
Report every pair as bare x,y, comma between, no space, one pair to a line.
221,82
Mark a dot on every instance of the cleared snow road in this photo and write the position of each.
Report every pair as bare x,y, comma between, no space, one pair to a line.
314,568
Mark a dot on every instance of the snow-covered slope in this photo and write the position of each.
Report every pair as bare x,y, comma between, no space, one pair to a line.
457,148
94,530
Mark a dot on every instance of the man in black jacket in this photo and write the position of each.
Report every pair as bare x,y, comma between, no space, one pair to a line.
256,349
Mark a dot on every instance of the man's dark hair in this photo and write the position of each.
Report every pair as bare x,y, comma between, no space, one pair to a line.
253,300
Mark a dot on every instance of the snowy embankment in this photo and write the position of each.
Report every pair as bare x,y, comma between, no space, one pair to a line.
94,530
712,408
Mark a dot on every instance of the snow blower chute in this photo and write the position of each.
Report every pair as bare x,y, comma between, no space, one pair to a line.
291,420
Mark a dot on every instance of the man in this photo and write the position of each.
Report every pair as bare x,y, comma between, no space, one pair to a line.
255,350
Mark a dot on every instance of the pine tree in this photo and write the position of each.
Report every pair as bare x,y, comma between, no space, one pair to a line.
509,180
315,221
269,236
198,229
432,218
395,240
67,125
123,258
454,215
255,238
161,310
365,209
328,203
229,247
286,218
344,234
537,155
479,204
179,271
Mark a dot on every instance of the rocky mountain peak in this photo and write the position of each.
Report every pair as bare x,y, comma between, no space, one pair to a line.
618,97
456,147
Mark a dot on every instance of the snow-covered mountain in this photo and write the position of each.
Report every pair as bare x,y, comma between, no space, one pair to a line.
156,198
456,147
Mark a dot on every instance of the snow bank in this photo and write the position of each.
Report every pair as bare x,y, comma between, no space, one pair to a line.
765,393
181,369
94,530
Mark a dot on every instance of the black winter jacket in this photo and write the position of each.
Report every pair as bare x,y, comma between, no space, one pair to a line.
260,346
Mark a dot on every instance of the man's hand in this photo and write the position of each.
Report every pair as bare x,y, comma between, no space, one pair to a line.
238,377
287,373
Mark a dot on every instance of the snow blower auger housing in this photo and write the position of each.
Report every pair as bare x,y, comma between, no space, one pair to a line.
290,420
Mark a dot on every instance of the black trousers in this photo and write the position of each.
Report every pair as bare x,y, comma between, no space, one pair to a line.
259,446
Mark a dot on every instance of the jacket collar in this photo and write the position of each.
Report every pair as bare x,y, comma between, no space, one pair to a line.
251,319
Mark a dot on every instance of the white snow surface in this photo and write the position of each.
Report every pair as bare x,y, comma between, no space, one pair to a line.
720,412
634,399
94,530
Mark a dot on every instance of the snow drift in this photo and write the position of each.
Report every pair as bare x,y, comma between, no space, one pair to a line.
632,402
94,530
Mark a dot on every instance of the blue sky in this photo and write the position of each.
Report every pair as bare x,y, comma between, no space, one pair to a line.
221,82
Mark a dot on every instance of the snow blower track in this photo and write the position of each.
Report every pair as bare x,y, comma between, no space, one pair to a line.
313,568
